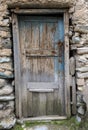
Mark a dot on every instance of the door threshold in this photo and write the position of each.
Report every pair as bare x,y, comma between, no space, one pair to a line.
45,118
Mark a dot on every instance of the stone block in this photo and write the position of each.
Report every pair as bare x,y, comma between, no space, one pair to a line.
81,29
7,98
80,88
4,76
82,75
81,110
82,69
8,122
83,50
76,39
72,10
2,82
5,113
5,52
6,66
80,82
4,59
6,90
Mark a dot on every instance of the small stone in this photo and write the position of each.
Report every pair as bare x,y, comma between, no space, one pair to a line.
81,29
76,34
71,10
5,52
83,50
6,21
80,88
8,73
80,82
82,75
2,82
10,105
13,83
70,33
78,119
5,113
7,98
2,75
4,59
81,110
8,89
6,66
1,106
75,39
8,122
82,69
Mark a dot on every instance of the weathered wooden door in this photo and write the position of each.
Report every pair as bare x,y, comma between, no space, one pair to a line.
42,65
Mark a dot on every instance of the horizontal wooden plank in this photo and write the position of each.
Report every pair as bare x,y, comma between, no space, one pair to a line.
45,118
42,85
38,11
41,90
39,52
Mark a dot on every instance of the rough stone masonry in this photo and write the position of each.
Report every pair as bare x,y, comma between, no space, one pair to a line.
78,37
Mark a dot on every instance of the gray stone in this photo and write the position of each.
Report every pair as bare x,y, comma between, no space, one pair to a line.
81,29
82,69
6,98
81,110
6,90
71,10
2,82
11,105
80,81
8,122
82,75
1,106
78,119
75,39
5,113
70,33
4,76
83,50
4,59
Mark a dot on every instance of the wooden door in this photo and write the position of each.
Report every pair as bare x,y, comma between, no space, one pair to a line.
42,65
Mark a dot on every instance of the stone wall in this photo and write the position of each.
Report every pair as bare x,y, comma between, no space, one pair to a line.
78,37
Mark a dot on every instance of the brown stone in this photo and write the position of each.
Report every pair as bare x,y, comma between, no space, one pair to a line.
80,82
5,113
5,52
8,89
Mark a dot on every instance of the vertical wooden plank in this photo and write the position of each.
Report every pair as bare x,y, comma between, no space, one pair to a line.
43,35
56,104
66,55
50,104
29,104
35,35
42,104
35,104
17,66
23,66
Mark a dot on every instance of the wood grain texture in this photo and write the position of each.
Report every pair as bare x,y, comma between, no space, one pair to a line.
41,41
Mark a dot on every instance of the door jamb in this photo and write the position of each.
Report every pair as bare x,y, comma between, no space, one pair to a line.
17,62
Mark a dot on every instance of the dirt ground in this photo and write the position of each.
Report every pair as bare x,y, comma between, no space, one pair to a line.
70,124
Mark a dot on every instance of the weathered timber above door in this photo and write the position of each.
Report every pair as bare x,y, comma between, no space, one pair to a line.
42,66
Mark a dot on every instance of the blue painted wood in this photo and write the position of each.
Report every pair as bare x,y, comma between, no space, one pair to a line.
45,33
